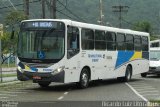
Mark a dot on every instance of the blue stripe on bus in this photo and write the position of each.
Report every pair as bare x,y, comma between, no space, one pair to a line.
123,56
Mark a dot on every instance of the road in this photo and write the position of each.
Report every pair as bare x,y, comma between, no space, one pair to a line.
27,93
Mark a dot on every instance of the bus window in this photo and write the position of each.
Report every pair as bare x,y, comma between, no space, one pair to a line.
120,41
100,43
129,42
72,41
137,43
87,39
144,43
111,40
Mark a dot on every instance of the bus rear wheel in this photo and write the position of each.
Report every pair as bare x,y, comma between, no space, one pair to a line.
128,75
84,78
44,84
143,74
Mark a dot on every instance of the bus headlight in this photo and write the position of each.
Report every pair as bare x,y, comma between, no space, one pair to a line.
60,69
20,69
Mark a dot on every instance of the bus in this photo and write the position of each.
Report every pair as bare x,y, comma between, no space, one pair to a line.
155,43
66,51
154,66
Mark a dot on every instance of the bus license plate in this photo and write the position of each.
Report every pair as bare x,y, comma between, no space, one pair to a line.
37,77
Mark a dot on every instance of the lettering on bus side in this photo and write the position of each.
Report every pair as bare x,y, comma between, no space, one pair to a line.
96,57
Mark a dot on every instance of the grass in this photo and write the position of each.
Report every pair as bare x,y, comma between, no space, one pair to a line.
10,65
9,75
155,101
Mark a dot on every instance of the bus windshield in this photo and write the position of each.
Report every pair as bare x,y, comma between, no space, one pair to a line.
41,43
154,55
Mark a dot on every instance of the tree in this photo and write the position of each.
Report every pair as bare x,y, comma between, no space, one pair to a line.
143,26
14,17
12,21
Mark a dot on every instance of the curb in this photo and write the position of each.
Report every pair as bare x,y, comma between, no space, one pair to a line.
9,83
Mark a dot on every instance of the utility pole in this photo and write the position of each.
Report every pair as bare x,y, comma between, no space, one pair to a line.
53,9
119,9
43,9
100,21
1,34
26,7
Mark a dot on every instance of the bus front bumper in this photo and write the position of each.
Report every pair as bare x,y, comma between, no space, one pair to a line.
40,77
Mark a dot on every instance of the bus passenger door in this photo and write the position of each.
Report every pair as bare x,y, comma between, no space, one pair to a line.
73,61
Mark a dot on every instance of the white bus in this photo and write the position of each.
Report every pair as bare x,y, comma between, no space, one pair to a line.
60,50
155,43
154,66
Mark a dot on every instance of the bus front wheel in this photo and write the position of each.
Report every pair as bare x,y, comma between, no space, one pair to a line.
44,84
84,78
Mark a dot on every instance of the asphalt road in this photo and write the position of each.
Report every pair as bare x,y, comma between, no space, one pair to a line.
26,94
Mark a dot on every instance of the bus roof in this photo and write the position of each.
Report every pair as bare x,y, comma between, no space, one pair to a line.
158,40
154,48
93,26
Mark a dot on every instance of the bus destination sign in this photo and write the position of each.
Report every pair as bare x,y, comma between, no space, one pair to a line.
39,24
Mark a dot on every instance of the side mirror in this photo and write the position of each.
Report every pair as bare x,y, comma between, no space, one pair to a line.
12,35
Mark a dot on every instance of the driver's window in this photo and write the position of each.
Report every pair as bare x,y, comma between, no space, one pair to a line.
72,41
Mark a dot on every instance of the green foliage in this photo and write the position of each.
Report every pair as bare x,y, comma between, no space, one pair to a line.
143,26
9,45
11,20
153,37
14,17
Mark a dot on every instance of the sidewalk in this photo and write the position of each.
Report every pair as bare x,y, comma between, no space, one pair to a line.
7,79
9,69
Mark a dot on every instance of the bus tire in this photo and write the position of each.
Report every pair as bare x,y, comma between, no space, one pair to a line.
84,78
143,75
128,75
44,84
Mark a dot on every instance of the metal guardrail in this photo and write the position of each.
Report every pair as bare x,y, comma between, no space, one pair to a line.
9,71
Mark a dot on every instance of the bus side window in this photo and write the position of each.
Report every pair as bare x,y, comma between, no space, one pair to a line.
129,42
121,41
137,43
144,43
111,40
72,41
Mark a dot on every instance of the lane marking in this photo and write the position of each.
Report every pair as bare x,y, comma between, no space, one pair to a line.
12,92
3,97
136,92
141,88
7,95
60,98
150,92
65,93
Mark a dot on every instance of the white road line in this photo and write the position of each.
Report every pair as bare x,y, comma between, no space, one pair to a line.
65,93
136,85
151,94
145,88
3,97
150,91
7,95
136,92
60,98
142,86
12,92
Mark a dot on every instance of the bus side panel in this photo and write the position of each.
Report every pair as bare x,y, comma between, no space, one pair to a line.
110,62
73,69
